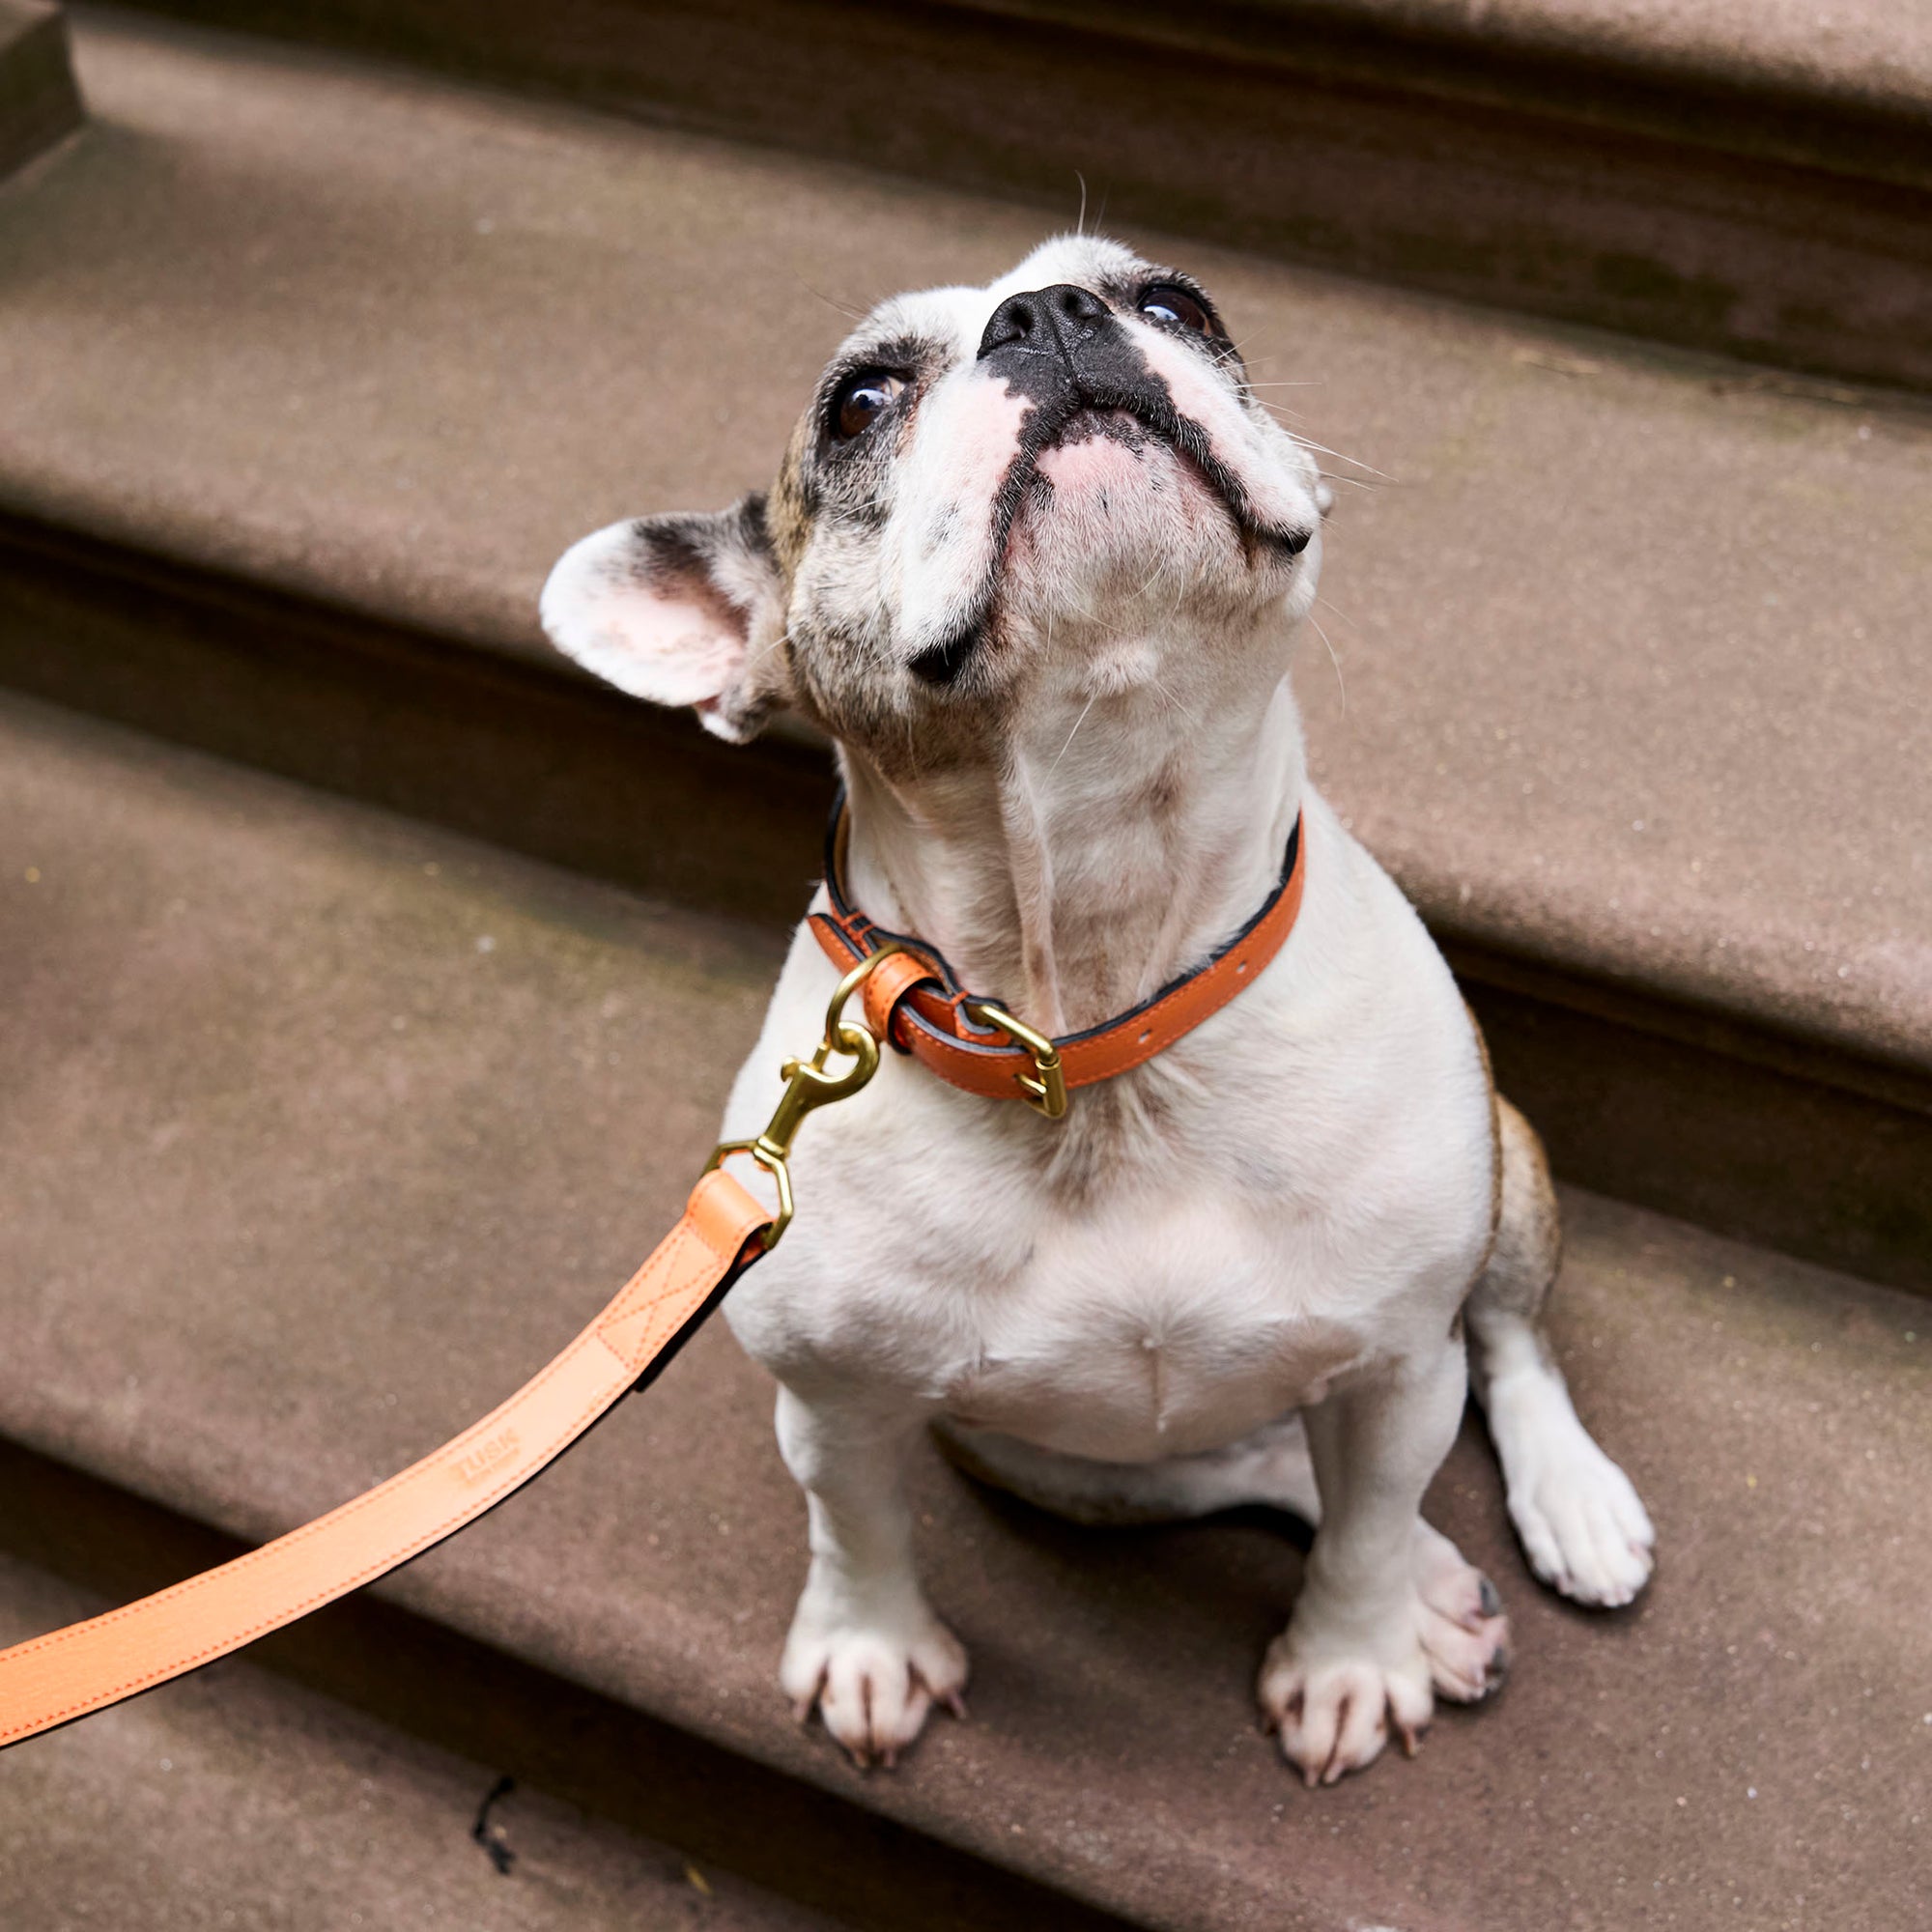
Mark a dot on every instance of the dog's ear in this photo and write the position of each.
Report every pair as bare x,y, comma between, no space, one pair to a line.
682,610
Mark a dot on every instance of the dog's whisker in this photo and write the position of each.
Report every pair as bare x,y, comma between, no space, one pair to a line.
1075,734
1341,683
1323,449
831,301
1173,700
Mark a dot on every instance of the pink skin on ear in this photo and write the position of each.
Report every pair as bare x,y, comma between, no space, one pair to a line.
673,639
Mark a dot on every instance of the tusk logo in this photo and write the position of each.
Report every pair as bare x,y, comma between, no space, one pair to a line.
486,1456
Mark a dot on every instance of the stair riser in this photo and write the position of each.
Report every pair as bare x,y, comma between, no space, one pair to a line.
1817,267
1726,1137
551,765
1756,1137
39,100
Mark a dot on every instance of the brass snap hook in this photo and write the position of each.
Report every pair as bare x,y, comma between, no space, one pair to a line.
809,1086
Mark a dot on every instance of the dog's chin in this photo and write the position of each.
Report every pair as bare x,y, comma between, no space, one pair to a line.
1117,516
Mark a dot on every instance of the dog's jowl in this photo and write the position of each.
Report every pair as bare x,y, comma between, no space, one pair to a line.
1035,560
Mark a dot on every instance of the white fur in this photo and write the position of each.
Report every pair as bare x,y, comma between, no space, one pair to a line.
1584,1528
598,607
1282,1214
938,551
1301,1227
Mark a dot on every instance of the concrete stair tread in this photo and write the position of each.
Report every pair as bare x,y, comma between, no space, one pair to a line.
241,1800
1861,47
265,1244
1864,55
366,337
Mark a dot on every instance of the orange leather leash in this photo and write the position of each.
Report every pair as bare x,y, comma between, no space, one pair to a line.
912,998
51,1679
916,1002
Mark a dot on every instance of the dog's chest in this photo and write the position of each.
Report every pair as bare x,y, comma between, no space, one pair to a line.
1152,1335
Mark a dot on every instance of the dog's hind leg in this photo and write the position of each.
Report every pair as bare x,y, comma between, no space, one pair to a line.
1582,1525
1272,1468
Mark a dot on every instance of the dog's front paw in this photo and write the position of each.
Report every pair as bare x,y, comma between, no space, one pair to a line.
1334,1701
873,1672
1333,1714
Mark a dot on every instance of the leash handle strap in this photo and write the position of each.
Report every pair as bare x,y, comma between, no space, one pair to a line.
51,1679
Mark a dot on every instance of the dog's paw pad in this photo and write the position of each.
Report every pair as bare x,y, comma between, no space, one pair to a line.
1584,1528
874,1682
1335,1715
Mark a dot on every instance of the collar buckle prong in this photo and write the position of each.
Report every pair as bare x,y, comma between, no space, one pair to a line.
1045,1091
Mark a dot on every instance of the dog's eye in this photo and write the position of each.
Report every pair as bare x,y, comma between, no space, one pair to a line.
1164,302
862,400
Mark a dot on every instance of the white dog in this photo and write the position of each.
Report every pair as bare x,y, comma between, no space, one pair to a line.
1035,561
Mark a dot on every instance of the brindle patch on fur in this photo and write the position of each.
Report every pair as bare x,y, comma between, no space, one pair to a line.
1528,1248
1164,792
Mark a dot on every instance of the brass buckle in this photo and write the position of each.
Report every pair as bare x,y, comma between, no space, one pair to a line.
1046,1092
807,1086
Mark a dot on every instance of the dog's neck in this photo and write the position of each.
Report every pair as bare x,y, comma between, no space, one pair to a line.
1117,840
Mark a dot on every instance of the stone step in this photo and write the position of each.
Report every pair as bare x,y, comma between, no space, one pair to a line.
1627,684
241,1800
323,1128
1751,179
38,100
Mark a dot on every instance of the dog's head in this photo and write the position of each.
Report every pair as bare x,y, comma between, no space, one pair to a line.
1061,484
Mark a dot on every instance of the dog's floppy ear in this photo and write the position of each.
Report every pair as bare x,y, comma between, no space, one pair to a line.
682,610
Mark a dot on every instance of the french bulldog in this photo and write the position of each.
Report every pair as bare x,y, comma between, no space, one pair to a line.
1035,562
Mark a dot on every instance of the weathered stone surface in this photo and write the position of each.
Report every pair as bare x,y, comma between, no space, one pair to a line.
300,1176
238,1799
38,102
1632,646
1861,54
1753,190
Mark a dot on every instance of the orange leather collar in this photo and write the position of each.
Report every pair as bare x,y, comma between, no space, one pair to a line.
916,1001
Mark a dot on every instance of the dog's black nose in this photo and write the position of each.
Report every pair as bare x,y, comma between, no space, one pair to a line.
1043,317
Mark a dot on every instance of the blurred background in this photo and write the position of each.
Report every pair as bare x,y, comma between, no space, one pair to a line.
370,981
